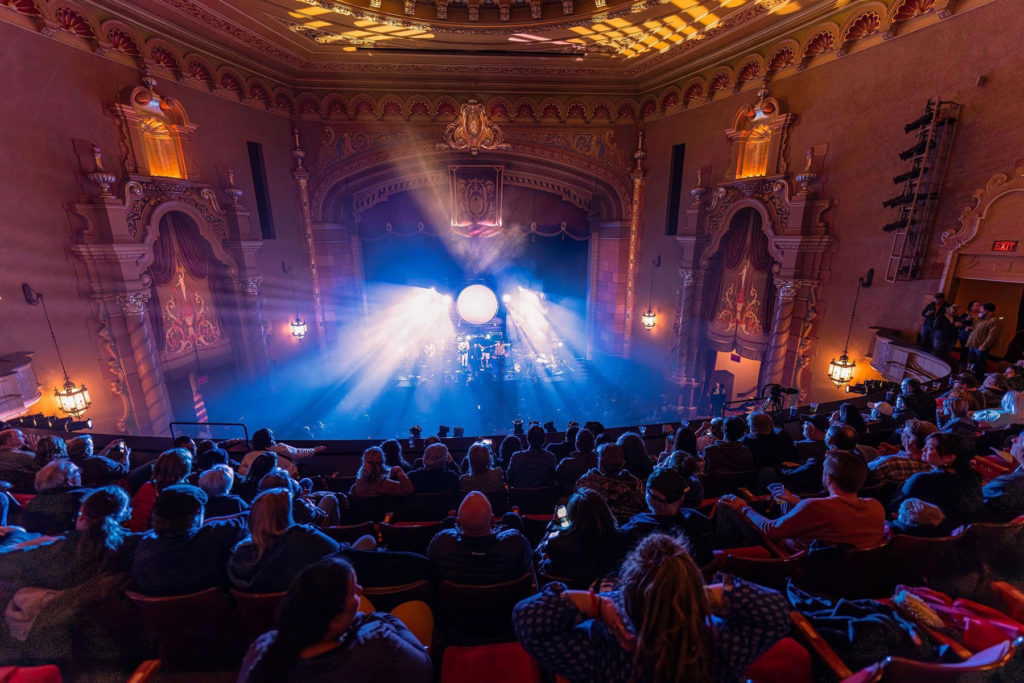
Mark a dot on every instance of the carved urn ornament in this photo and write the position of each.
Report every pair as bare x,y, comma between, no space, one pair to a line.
473,130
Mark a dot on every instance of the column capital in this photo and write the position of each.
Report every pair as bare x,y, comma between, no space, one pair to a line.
133,303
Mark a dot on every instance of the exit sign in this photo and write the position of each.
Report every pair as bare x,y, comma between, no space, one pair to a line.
1004,245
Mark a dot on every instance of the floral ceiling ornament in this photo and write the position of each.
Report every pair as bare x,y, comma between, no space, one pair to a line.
473,130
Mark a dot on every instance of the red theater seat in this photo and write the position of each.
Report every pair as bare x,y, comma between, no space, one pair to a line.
785,662
30,674
498,663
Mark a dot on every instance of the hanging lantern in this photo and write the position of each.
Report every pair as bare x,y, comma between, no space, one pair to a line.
71,399
648,319
298,328
841,371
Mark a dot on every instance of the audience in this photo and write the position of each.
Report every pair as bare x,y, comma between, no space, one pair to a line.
482,475
590,547
565,448
951,484
570,469
172,467
102,469
320,510
981,340
14,453
48,449
813,443
181,554
638,462
623,492
807,477
1003,496
916,400
476,552
392,449
54,508
263,440
956,418
728,455
768,447
277,548
373,479
897,468
435,476
840,519
248,488
216,482
687,466
1011,410
510,445
662,624
667,514
534,467
322,636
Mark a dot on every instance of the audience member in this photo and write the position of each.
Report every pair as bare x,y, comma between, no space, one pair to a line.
667,513
510,445
896,469
850,414
728,455
392,450
99,470
210,456
993,388
474,552
569,470
172,467
981,340
482,475
435,476
685,439
249,488
322,636
951,484
944,331
840,519
929,314
807,477
966,385
14,452
54,508
956,417
48,449
768,447
1003,497
688,467
590,547
1011,410
97,545
320,510
916,400
567,445
918,518
623,492
263,440
710,433
638,462
813,443
373,479
216,483
188,443
181,554
663,623
277,549
534,467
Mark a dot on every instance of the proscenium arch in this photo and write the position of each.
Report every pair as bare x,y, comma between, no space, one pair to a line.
394,167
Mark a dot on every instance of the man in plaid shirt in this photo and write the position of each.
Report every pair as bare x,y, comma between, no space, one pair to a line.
897,468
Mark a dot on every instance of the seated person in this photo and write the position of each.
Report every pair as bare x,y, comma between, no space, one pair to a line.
841,519
249,487
638,461
623,491
210,455
321,510
709,433
534,467
171,467
687,466
482,475
570,469
96,546
216,482
435,476
14,451
916,400
768,446
322,636
956,417
993,388
565,448
590,547
48,449
1011,409
813,443
918,518
881,422
392,450
807,478
474,552
897,468
510,445
965,385
99,470
180,554
663,623
728,455
54,508
1003,497
263,440
277,549
374,478
951,484
666,491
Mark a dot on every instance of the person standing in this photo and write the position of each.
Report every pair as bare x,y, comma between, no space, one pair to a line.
924,338
983,338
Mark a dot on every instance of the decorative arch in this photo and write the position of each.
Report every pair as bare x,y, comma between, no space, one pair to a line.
163,55
908,9
602,110
121,38
499,109
73,20
873,18
719,81
550,109
781,56
283,100
197,67
694,90
626,110
229,80
822,38
255,90
752,67
672,97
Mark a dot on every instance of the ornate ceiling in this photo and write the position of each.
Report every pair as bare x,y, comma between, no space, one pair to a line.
674,51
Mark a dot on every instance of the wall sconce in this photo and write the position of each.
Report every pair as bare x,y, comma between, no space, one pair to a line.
298,325
650,318
841,371
72,399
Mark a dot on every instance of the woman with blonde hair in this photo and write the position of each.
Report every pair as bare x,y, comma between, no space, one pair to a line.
482,476
277,549
376,479
661,625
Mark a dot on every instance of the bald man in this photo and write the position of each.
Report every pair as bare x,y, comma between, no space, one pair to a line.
475,552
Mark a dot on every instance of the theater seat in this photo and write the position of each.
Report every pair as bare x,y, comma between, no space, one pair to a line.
30,674
787,661
481,614
386,598
254,615
899,670
191,631
497,663
352,532
534,501
413,537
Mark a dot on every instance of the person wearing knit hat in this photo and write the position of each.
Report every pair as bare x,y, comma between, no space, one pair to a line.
666,514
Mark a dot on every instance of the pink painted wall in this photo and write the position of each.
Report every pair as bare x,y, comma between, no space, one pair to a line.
55,94
857,105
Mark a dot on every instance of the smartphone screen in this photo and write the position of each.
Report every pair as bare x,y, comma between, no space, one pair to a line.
563,516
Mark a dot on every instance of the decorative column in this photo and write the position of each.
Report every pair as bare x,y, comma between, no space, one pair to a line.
301,176
636,226
146,366
255,327
778,342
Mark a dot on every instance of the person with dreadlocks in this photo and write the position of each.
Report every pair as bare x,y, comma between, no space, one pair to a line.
661,625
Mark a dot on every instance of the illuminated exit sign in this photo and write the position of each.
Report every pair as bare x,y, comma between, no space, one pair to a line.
1004,245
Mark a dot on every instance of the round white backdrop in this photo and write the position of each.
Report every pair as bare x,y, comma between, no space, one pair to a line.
477,304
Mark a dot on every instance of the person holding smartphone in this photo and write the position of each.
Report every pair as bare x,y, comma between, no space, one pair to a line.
586,543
